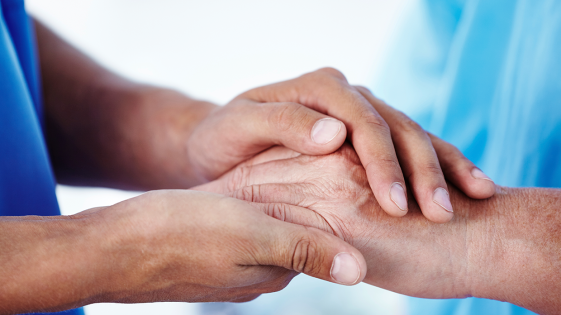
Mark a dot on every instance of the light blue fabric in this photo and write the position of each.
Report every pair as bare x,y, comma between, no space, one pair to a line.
485,76
27,185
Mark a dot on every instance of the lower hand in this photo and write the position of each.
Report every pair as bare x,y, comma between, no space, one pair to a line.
200,247
408,255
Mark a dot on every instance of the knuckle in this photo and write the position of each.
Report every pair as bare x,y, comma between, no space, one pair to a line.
325,76
348,155
408,125
427,170
238,178
332,72
306,257
432,168
363,89
278,211
375,121
286,116
384,162
247,193
251,193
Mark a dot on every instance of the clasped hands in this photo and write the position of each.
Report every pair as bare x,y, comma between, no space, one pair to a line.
310,204
309,175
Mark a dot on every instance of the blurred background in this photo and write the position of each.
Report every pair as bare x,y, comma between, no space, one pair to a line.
215,50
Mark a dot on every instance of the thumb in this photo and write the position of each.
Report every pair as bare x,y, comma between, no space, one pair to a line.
299,128
311,251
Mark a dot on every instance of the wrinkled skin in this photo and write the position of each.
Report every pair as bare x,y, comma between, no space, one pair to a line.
409,255
503,248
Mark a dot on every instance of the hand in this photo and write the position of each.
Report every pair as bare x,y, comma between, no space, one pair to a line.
502,248
205,247
172,245
408,255
105,130
133,136
388,143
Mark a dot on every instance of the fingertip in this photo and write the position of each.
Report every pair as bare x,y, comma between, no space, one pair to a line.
474,183
391,197
436,206
326,256
399,199
348,269
481,186
439,216
327,135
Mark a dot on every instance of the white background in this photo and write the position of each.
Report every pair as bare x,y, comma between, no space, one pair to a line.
215,50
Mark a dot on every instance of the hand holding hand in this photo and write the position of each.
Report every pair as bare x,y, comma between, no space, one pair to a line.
199,247
302,114
409,255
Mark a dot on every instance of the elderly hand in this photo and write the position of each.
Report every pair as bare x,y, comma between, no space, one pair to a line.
299,113
409,255
503,248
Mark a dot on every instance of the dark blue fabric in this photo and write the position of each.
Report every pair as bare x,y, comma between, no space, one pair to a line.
27,184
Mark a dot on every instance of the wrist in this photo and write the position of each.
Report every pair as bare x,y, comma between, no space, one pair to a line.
165,121
130,252
52,265
150,146
514,253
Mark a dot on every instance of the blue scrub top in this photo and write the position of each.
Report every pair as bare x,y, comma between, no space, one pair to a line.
485,76
27,184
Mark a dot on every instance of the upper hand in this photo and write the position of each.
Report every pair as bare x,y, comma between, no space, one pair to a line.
305,114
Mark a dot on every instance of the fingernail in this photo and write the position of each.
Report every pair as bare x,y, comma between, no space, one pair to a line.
397,195
478,174
441,198
325,130
345,269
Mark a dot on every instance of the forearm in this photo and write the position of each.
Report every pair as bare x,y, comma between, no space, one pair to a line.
97,127
47,264
506,248
517,255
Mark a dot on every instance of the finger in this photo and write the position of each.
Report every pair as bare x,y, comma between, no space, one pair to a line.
294,214
247,175
272,193
418,160
310,251
248,127
461,171
283,171
327,91
273,154
285,202
297,127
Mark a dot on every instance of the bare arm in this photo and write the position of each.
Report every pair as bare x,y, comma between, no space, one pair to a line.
105,130
507,247
169,245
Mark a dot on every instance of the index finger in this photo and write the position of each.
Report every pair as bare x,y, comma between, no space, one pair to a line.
327,91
